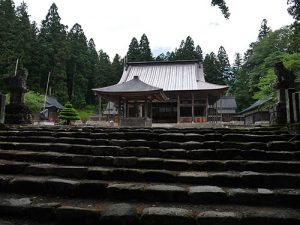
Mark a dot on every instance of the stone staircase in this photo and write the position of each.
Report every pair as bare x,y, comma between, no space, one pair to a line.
63,175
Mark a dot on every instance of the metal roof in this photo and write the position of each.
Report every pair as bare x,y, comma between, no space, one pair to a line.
131,86
52,102
132,89
226,102
170,76
255,105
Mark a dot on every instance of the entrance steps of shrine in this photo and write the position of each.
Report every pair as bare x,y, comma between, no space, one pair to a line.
63,175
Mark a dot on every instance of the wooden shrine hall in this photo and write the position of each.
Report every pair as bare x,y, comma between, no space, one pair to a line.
162,92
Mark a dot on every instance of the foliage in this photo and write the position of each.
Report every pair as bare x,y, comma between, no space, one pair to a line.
69,113
34,101
86,112
264,29
222,5
266,86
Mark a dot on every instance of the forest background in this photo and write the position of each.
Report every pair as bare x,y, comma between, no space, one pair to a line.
76,66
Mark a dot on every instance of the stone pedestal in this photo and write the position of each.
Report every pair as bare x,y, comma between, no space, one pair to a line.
2,108
289,105
17,114
296,104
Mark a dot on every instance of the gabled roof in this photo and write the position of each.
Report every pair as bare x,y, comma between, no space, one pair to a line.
132,89
52,102
226,104
170,76
255,105
131,86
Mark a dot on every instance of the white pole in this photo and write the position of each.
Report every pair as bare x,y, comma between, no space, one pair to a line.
46,93
16,69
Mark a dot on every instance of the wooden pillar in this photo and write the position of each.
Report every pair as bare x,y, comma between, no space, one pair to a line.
151,109
193,108
221,107
2,108
178,109
127,109
146,108
100,105
206,109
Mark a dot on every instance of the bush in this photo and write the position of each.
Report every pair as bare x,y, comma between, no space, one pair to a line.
69,114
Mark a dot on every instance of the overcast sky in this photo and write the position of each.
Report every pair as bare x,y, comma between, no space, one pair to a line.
113,23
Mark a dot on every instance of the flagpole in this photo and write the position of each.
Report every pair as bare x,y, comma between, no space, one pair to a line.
16,69
46,93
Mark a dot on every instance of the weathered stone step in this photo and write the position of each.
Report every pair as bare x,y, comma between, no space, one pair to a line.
49,211
87,145
151,192
229,179
150,136
152,163
112,150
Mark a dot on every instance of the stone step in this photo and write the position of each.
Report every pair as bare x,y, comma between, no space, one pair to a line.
229,179
150,136
64,144
41,210
152,163
112,150
150,192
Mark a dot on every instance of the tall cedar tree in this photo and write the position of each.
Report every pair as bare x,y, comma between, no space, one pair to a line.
28,47
145,51
134,53
9,37
105,75
212,71
53,39
117,69
224,64
76,66
294,11
264,29
92,71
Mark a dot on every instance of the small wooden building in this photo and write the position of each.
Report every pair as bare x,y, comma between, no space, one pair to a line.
256,113
52,107
182,82
223,110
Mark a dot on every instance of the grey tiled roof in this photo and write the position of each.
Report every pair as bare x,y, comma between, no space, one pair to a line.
170,76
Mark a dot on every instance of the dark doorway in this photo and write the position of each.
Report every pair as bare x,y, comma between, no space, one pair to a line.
164,112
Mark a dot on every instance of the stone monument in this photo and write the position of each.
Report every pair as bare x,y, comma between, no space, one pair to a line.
16,111
2,108
285,86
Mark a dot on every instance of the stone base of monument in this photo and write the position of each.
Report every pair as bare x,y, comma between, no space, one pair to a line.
17,114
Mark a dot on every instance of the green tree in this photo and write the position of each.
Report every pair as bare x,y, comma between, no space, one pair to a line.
237,63
92,72
54,53
8,40
76,66
34,101
69,114
212,71
266,86
264,29
117,69
199,53
134,54
144,49
222,5
224,65
105,72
